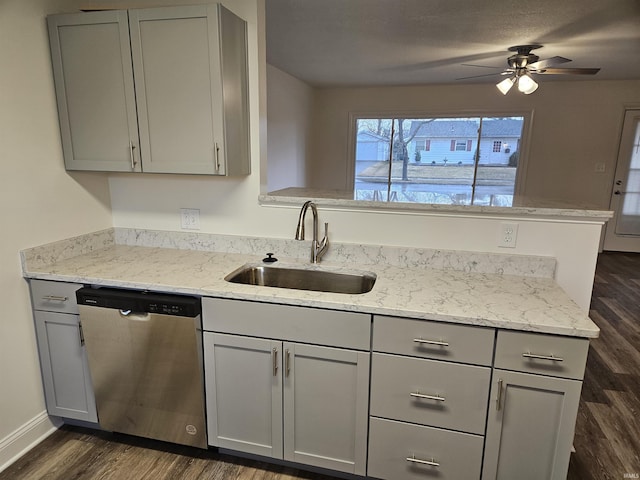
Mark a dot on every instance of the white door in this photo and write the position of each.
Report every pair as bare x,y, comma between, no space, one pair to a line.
623,230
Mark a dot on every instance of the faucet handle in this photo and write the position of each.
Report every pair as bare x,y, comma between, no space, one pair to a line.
326,229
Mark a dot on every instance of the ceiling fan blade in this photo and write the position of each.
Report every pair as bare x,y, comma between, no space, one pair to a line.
445,62
567,71
485,75
480,66
549,62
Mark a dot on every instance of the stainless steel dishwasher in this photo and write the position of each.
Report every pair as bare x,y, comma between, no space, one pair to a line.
145,360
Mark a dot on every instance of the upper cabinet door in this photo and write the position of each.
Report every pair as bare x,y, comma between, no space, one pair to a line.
179,86
94,89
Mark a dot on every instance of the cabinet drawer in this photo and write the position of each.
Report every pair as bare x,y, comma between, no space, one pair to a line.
396,450
544,354
430,392
286,322
54,296
428,339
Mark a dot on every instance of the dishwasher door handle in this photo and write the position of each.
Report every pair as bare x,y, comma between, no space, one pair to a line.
139,316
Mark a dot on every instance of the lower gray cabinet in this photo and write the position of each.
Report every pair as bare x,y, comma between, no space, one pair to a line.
302,403
65,371
244,393
406,451
530,426
537,379
63,360
326,394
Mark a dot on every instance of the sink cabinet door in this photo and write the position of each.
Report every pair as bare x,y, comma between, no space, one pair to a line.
65,371
243,383
530,426
325,407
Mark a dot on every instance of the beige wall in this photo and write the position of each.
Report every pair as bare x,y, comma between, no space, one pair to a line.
289,109
39,201
576,124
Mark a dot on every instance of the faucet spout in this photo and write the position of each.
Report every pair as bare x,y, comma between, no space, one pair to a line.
318,248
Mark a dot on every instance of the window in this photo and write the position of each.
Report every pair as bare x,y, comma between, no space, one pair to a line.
437,160
461,146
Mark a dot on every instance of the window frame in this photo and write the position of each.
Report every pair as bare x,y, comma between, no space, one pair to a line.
523,145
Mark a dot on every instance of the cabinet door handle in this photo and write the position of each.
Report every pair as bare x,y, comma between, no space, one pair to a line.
81,334
440,343
435,397
216,153
55,298
499,396
287,359
431,462
132,156
543,357
275,361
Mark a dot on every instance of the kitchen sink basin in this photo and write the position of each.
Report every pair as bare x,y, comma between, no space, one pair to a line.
319,280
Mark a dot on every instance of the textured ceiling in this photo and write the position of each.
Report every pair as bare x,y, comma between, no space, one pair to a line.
404,42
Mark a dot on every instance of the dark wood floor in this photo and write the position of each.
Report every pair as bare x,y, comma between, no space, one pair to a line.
607,438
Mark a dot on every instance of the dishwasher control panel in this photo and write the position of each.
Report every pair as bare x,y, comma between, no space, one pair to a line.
140,301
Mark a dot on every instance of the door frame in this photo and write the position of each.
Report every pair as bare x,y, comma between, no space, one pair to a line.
612,241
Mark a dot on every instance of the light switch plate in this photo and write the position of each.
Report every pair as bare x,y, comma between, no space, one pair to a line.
190,218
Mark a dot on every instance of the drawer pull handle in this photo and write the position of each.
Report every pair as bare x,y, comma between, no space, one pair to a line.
431,463
55,298
436,397
440,343
543,357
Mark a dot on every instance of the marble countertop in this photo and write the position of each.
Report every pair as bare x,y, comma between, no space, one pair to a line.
484,299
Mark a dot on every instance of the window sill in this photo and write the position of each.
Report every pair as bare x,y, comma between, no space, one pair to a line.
525,207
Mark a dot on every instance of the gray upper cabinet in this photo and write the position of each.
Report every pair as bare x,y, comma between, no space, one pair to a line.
94,89
188,112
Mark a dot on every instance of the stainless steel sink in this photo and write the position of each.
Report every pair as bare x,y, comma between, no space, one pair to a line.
302,279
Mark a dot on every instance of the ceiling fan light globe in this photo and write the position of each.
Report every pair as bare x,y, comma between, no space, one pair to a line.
526,84
505,85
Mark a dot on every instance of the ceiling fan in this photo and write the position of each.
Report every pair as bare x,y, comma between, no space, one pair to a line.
523,64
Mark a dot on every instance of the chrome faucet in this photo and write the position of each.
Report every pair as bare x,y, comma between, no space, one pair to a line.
318,248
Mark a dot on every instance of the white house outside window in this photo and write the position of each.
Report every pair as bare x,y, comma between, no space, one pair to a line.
437,160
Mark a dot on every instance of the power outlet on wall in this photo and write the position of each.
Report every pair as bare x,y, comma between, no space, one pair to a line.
190,218
508,235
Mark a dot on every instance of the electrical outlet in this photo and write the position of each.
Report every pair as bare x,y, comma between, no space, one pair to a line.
508,235
190,218
600,167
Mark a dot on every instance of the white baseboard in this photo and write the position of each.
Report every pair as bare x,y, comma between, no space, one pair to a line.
16,444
